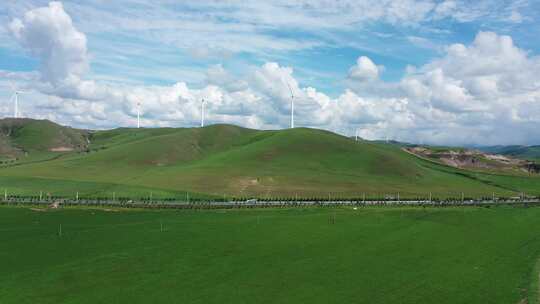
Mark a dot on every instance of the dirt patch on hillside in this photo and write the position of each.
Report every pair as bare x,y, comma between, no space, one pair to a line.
110,210
473,159
61,149
244,183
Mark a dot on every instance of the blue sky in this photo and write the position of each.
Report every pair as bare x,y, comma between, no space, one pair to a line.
154,45
387,43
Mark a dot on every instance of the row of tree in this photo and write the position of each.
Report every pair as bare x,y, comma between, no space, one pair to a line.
149,200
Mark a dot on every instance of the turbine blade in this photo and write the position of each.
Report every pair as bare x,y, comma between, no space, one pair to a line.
13,87
290,89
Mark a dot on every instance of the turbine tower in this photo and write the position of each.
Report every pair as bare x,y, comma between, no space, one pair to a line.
202,112
138,115
292,106
15,97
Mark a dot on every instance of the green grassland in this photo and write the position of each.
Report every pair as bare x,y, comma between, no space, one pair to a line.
313,255
226,160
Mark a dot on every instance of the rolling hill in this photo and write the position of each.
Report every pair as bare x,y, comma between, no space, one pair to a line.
27,140
226,160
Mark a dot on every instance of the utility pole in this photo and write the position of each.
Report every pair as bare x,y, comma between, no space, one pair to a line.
332,218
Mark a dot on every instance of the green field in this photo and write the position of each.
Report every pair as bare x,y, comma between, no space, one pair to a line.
342,255
226,160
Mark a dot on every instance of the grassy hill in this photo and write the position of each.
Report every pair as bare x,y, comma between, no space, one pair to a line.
228,160
24,140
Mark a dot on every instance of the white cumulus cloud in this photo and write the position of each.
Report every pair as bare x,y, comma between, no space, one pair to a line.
364,70
49,33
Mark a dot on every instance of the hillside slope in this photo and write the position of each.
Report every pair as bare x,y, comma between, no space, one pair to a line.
21,138
228,160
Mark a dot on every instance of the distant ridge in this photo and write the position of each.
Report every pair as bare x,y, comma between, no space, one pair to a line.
523,152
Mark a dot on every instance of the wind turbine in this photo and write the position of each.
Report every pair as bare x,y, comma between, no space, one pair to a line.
292,106
138,114
15,96
202,112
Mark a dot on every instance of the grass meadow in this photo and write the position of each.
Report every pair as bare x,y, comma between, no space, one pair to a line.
304,255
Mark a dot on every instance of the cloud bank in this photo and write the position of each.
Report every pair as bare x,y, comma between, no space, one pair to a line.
487,92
